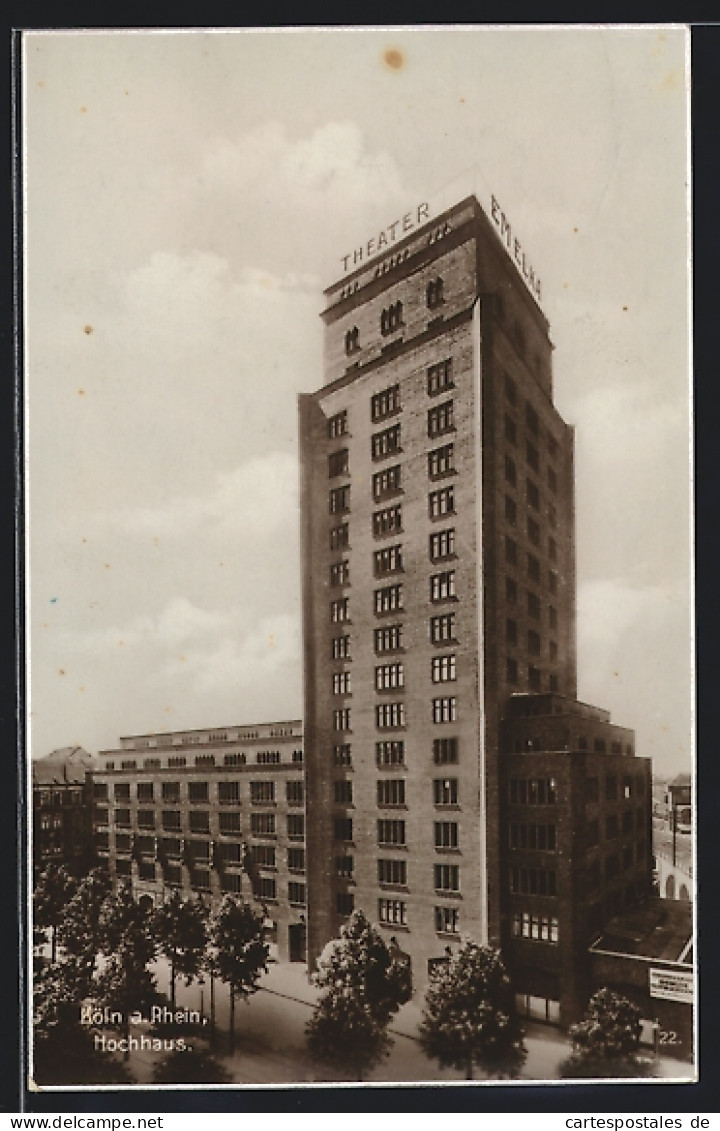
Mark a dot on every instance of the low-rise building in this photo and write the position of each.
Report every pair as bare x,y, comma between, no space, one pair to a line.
209,812
62,810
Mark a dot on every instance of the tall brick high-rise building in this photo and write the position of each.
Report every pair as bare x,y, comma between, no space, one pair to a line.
439,621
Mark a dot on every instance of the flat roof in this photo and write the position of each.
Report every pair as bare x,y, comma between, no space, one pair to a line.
658,929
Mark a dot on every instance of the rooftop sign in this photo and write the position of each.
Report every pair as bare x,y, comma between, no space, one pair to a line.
514,249
386,237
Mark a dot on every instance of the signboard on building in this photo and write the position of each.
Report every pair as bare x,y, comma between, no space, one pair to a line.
673,985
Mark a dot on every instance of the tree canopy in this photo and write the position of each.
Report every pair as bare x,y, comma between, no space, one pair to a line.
469,1017
363,989
607,1041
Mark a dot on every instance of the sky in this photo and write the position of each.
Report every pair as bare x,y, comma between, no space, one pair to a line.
188,196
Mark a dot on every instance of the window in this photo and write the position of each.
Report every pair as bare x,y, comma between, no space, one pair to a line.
341,648
128,764
388,639
391,832
445,791
341,719
441,419
552,515
344,866
339,573
447,877
533,530
388,599
262,792
387,521
442,544
444,710
296,893
434,293
385,403
534,643
341,683
391,318
295,825
552,581
343,792
388,560
553,447
344,902
338,463
533,566
440,377
610,787
442,629
343,828
552,549
339,500
171,818
267,887
389,715
386,482
441,502
145,791
101,815
389,676
539,837
352,341
532,422
532,881
553,650
392,911
176,762
338,425
446,834
100,791
445,751
392,872
340,537
541,928
198,792
390,753
533,605
532,456
340,610
441,461
611,827
342,754
295,792
229,882
552,479
447,920
510,590
511,670
442,586
262,824
123,842
122,791
296,859
390,792
267,757
442,669
591,790
146,818
385,443
534,678
552,617
511,631
200,821
230,823
510,430
533,791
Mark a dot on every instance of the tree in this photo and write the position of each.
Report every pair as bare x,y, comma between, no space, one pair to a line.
190,1066
53,891
125,984
606,1042
241,954
64,1050
79,934
364,987
469,1016
179,927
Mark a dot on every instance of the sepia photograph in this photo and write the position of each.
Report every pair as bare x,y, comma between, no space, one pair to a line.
357,478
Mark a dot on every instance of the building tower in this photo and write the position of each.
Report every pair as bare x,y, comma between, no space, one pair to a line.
438,578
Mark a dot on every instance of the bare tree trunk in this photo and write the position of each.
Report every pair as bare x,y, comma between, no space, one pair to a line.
232,1021
172,982
212,1012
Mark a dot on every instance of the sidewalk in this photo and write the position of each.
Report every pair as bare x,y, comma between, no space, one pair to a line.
270,1038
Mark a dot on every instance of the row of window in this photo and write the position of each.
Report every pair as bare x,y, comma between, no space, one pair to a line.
261,824
198,792
391,676
390,716
391,752
179,761
393,832
391,791
533,460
